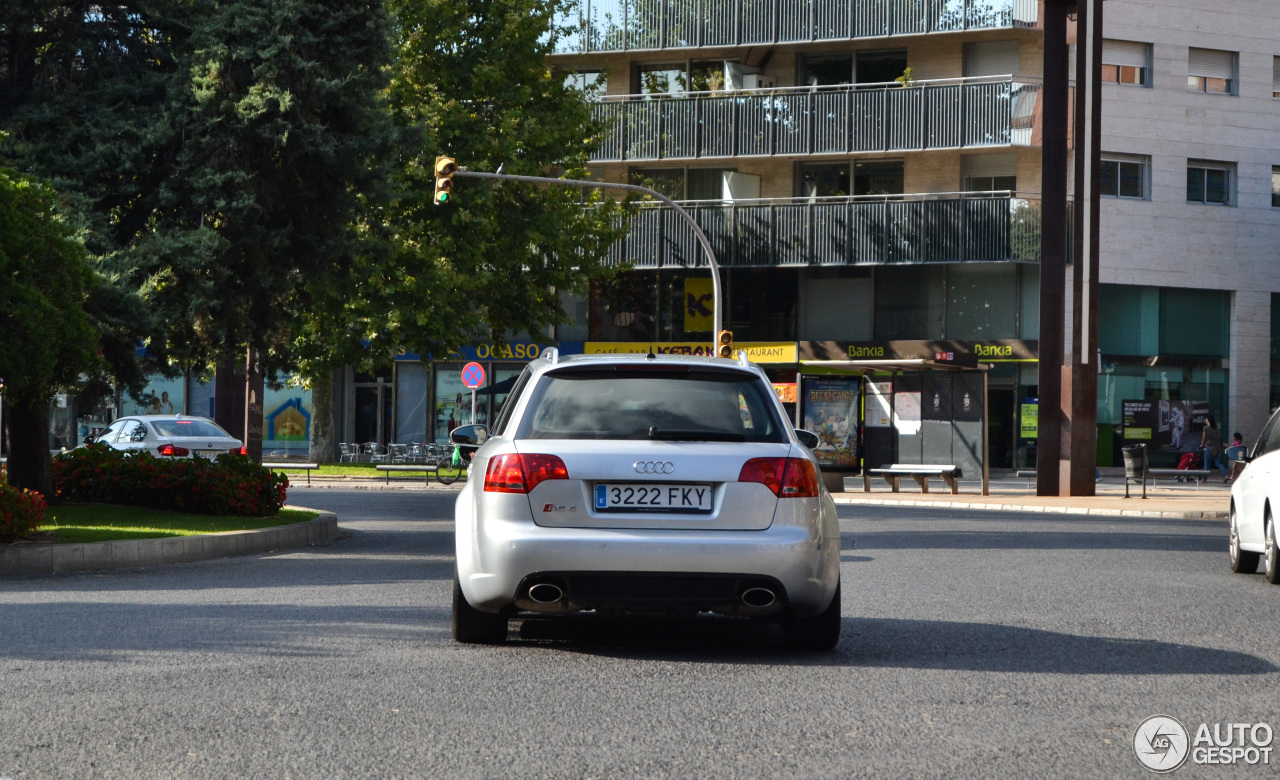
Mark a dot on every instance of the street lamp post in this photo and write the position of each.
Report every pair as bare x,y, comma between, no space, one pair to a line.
717,310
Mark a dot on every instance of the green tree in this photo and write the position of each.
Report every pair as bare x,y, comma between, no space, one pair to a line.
46,336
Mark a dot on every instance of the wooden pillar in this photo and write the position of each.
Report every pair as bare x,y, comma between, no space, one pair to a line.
1053,245
1082,409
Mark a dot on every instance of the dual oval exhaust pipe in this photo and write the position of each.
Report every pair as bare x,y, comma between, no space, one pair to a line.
545,593
759,598
549,594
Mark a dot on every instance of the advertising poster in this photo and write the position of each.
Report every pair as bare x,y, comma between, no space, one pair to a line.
831,411
1029,419
162,396
286,419
698,303
1172,426
879,405
906,413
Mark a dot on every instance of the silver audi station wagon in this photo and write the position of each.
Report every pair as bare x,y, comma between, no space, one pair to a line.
645,484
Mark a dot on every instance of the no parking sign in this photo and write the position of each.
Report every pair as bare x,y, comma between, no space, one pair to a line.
472,377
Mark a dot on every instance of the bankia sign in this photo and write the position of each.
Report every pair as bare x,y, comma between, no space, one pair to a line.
941,350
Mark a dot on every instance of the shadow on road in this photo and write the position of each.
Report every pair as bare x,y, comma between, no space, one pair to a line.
902,644
1037,540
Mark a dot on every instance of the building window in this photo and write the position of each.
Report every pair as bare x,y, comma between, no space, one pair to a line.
1211,70
591,83
1275,186
667,79
864,177
686,183
1123,177
1126,62
1209,183
872,66
1275,77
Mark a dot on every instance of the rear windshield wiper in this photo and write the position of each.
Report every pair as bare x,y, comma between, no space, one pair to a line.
671,434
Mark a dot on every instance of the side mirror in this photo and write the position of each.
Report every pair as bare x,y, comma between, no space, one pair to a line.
807,438
469,435
88,439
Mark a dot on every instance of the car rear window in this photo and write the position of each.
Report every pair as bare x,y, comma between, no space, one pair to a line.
623,402
189,428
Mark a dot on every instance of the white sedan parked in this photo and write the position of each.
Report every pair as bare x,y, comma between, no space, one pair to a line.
1255,503
170,436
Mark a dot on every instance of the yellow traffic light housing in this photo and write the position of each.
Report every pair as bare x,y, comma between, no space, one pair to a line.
724,344
445,168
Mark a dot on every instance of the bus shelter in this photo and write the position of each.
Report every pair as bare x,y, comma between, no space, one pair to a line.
874,413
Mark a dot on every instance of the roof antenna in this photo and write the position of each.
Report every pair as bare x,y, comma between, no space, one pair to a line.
650,356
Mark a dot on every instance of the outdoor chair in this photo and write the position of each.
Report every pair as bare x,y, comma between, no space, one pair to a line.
376,452
348,454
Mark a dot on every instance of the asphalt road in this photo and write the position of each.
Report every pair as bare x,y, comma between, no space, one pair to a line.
973,646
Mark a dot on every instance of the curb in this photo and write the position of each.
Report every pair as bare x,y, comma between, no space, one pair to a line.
133,553
1060,510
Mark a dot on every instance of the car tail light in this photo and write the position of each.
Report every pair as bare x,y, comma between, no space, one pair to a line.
239,450
515,473
786,477
173,452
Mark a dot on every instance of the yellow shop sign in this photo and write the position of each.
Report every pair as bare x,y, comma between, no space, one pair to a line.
757,351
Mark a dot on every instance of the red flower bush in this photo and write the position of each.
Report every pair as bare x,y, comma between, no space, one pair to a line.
230,485
21,512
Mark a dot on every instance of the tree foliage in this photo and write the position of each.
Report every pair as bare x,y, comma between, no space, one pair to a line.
46,337
471,82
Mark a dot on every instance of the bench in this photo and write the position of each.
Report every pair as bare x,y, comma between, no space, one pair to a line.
894,473
307,467
387,468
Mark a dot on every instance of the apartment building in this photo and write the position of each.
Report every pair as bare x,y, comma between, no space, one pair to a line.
868,172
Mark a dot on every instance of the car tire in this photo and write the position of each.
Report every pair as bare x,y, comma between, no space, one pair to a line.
820,632
1242,561
473,627
1272,555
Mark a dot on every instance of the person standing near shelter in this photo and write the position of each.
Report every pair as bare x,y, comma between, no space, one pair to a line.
1211,445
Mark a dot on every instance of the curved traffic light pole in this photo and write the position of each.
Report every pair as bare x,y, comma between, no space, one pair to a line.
697,231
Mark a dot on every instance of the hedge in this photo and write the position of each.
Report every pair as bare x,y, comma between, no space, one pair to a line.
229,485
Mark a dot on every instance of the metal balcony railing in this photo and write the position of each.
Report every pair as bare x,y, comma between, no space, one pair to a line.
628,25
947,114
933,228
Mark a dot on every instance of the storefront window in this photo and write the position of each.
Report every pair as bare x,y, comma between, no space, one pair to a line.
622,308
982,301
161,396
411,402
452,400
910,302
762,303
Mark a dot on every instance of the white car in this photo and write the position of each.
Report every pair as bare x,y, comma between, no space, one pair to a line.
644,484
1255,503
169,436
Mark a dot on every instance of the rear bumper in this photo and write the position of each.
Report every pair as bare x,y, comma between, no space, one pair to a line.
500,555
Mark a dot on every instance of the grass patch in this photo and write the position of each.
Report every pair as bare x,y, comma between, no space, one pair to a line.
355,470
107,522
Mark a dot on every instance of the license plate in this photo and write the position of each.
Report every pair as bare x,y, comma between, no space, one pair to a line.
653,497
207,454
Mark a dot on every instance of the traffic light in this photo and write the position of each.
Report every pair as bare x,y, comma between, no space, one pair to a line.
445,168
724,344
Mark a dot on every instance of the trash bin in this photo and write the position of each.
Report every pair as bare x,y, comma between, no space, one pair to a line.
1135,466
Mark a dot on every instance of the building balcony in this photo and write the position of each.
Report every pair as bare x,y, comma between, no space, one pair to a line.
646,25
870,230
948,114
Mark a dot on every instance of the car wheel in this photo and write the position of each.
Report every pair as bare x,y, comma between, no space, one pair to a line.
1242,561
473,627
1272,554
820,632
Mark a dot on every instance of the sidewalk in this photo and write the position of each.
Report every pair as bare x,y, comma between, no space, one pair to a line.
1165,498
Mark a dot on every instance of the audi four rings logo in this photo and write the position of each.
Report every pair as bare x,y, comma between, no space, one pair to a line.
654,467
